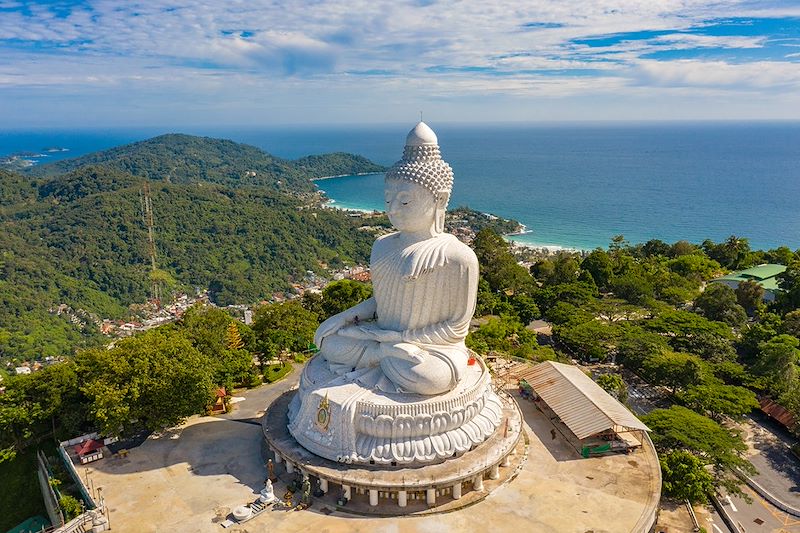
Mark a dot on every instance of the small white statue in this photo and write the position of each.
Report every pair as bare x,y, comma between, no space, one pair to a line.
267,493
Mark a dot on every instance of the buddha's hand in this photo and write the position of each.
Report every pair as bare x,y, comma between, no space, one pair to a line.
328,328
371,333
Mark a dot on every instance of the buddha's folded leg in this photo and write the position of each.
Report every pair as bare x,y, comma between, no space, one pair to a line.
346,353
432,371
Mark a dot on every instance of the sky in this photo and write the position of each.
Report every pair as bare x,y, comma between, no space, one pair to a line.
257,63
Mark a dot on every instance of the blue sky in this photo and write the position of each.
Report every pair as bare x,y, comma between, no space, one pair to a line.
256,63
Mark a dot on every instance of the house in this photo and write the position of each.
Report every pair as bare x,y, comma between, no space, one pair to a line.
89,450
765,275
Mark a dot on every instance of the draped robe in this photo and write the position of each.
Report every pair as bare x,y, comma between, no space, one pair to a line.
427,292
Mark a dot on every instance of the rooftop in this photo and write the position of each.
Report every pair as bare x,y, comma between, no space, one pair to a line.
579,402
763,274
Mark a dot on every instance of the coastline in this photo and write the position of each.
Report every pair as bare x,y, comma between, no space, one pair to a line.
550,248
346,175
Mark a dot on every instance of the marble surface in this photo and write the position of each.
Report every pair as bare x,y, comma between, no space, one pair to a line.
392,382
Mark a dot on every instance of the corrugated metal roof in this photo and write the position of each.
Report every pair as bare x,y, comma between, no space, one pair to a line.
758,273
778,412
579,402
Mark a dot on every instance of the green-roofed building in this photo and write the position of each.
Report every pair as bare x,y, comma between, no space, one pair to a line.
765,275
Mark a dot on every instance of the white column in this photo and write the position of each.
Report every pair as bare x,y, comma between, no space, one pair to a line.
494,472
477,483
346,489
506,461
373,497
278,458
289,467
431,496
457,491
323,485
402,498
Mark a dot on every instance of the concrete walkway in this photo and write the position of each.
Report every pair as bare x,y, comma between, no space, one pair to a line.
191,478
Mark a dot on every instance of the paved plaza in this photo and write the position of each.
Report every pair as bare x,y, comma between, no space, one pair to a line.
190,478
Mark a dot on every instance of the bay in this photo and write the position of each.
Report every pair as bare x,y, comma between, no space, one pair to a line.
572,185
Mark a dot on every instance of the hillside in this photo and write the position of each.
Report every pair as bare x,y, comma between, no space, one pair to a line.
178,158
78,237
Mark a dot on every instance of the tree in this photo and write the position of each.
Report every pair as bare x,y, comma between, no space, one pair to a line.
731,254
525,308
684,477
313,302
498,265
655,248
694,266
219,337
777,360
750,295
635,345
232,338
599,265
791,324
565,270
633,287
789,283
503,334
38,404
681,429
718,302
283,327
344,294
753,335
686,324
781,255
674,370
593,339
614,385
682,248
151,381
716,400
577,294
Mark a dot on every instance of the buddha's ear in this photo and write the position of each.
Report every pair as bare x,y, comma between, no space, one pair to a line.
441,199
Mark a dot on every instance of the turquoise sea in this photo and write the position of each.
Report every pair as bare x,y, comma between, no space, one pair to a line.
573,185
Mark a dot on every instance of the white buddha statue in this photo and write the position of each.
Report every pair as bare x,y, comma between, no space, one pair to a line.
391,382
425,285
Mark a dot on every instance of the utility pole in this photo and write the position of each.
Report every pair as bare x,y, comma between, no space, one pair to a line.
147,216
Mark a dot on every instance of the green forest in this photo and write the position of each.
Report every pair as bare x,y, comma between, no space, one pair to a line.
227,217
74,233
650,309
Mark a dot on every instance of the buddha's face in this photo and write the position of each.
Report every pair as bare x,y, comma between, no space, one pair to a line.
410,207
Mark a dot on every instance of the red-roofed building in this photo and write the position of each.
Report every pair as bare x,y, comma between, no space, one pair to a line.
219,405
364,276
778,412
89,450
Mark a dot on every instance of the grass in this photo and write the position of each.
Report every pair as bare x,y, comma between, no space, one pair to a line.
20,496
273,373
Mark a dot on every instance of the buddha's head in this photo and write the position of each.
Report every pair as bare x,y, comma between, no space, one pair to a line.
413,208
418,186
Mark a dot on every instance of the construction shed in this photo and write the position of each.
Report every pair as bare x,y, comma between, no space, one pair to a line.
590,418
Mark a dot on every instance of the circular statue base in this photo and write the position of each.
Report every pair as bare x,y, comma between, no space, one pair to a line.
387,490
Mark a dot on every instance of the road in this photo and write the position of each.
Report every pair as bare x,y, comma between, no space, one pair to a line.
251,407
759,516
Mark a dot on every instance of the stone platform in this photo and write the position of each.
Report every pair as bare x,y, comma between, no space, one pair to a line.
401,490
345,418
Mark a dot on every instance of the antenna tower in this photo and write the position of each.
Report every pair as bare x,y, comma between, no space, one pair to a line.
147,216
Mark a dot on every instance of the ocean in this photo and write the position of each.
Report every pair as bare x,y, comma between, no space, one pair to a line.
571,185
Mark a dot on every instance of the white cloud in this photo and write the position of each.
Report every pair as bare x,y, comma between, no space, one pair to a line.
205,49
753,75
